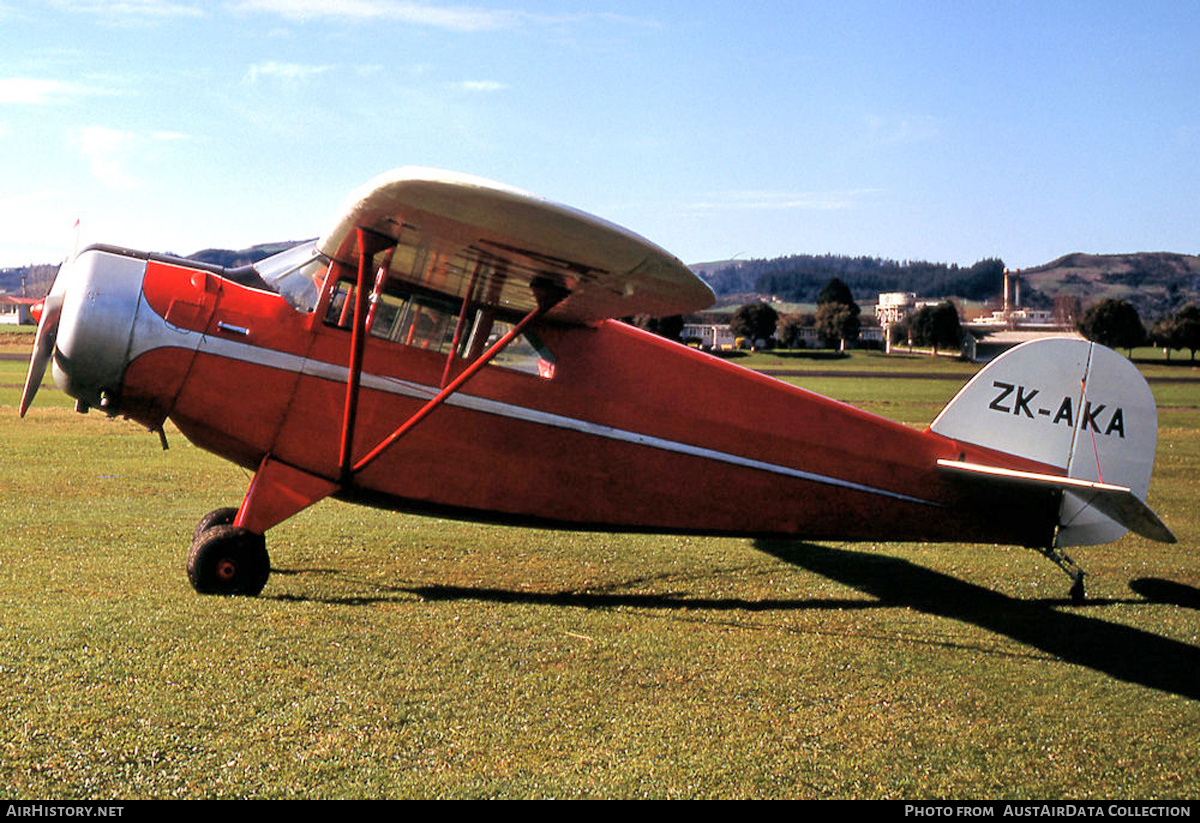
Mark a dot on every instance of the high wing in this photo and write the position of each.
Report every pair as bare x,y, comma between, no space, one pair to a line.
471,238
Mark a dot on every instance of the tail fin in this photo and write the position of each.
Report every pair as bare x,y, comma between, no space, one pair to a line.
1080,408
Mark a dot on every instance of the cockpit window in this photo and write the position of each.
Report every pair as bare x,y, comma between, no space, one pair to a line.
526,354
296,274
433,324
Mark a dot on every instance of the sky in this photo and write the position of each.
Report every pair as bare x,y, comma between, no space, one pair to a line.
947,131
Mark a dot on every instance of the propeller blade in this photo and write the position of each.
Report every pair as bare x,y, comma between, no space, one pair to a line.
43,347
47,330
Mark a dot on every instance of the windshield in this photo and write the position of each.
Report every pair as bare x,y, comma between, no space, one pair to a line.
296,274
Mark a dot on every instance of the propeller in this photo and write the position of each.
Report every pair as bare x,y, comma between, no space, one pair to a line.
48,312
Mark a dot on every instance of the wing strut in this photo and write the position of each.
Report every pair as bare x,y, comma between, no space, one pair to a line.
461,324
369,244
548,296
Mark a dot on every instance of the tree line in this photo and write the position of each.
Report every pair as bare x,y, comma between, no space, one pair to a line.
837,323
801,278
1111,322
1116,324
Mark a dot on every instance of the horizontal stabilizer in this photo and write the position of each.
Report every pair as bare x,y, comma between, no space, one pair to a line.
1116,502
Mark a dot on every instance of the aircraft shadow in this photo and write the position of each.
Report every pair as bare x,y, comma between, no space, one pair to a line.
1167,591
573,599
1126,653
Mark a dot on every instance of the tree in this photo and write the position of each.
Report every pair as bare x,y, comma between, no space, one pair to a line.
936,326
1187,328
788,329
754,321
835,291
1113,323
1178,331
1067,309
837,323
837,314
670,327
1164,335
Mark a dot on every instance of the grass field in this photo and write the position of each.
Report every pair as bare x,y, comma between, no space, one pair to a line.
394,656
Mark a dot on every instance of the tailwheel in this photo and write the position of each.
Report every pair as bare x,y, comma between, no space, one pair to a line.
1064,562
226,559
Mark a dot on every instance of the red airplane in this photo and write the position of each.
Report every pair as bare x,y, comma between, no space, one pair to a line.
449,346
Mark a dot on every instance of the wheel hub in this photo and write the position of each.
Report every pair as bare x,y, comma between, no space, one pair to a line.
226,570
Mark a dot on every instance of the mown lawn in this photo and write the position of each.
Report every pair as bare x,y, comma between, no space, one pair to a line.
395,656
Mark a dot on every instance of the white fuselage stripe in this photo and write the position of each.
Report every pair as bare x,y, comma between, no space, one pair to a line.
247,353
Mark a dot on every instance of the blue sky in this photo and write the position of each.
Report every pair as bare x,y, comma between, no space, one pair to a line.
946,131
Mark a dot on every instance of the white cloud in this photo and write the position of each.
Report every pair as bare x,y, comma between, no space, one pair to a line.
454,18
480,85
38,91
107,151
127,9
285,72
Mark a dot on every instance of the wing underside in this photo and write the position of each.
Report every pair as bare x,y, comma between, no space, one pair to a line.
471,238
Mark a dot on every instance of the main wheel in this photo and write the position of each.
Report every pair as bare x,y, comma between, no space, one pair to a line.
216,517
228,560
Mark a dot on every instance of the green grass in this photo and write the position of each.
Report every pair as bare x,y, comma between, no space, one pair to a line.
395,656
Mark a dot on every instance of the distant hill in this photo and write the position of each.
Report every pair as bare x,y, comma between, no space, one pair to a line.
800,278
28,281
1156,283
230,258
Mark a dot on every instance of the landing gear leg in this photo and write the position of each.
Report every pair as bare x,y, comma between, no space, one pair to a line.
1060,559
232,559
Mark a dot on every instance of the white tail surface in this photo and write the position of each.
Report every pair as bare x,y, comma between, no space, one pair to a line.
1071,404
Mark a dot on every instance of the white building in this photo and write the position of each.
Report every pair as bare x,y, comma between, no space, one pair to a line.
1018,319
14,311
710,335
894,306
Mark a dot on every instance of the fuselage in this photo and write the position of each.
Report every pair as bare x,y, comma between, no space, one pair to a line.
584,426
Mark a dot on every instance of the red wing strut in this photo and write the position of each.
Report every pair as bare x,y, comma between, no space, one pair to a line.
547,298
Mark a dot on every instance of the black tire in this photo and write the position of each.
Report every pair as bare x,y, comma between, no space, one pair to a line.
228,560
216,517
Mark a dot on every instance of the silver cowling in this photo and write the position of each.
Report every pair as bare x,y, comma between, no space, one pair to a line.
99,308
